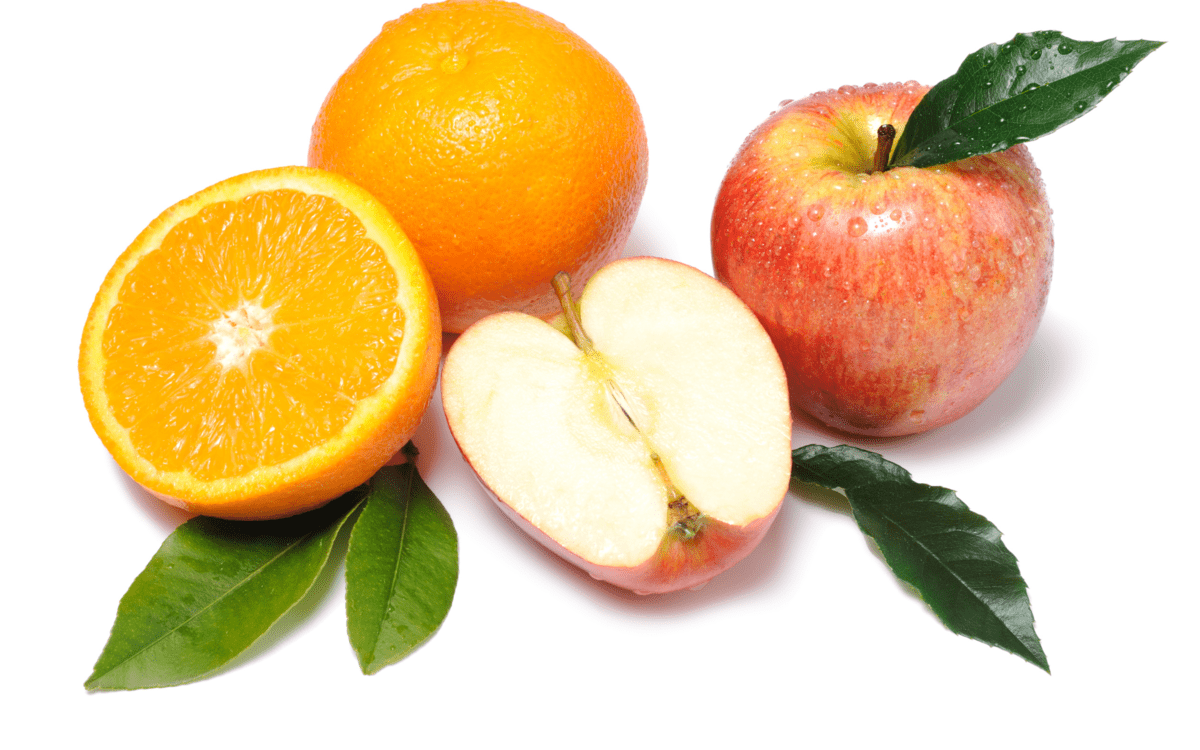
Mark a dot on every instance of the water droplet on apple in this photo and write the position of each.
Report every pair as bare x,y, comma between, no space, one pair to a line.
864,347
815,213
917,415
896,214
828,272
856,227
846,90
964,314
927,221
974,273
878,208
786,102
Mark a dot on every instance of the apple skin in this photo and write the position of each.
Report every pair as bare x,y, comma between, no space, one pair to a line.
678,565
898,300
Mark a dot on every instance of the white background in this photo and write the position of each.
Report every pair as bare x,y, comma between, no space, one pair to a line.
1085,457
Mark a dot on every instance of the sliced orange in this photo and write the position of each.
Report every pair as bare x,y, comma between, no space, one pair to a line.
263,346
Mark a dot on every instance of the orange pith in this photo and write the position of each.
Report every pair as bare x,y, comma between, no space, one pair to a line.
262,347
506,146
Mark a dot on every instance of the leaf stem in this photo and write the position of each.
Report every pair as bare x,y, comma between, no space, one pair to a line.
883,149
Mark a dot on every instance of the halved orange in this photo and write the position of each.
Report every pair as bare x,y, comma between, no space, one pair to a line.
263,346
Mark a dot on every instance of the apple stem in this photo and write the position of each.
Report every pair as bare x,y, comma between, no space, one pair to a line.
883,149
562,287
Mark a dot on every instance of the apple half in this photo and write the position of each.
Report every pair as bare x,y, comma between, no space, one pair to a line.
645,436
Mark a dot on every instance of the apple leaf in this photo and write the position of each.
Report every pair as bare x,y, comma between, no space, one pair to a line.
1010,93
213,589
401,567
952,556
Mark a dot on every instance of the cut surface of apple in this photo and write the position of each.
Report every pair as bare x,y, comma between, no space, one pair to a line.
651,446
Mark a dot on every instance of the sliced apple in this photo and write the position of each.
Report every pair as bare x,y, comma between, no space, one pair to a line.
646,438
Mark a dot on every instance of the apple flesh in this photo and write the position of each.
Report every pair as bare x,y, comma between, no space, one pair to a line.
646,438
898,299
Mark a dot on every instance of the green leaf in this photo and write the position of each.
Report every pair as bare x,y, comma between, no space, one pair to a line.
1011,93
212,590
401,567
929,537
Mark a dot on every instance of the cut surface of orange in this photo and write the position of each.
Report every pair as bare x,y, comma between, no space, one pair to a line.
263,346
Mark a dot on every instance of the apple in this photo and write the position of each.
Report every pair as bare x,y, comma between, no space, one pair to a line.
644,436
898,299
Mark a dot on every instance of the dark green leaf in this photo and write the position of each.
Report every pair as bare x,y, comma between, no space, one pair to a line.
929,537
401,567
1010,93
211,590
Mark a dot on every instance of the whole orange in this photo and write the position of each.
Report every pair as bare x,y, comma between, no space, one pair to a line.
506,147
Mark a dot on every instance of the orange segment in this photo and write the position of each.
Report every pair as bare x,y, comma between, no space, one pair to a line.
263,346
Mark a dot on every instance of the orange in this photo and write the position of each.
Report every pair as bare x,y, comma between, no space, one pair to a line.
262,347
506,146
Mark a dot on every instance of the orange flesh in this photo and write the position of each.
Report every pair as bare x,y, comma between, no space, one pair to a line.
207,374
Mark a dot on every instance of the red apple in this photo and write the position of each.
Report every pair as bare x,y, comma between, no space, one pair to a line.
898,299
